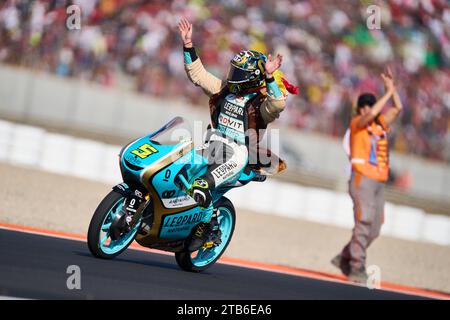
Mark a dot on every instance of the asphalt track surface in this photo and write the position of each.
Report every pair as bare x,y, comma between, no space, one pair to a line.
35,266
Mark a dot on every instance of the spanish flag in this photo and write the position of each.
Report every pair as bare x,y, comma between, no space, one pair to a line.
284,85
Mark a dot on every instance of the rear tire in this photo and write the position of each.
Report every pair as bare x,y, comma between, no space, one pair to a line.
184,258
108,203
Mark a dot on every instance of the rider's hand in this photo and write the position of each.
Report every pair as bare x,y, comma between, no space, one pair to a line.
272,65
185,28
388,80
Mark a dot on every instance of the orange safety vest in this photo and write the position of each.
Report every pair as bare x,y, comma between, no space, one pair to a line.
369,149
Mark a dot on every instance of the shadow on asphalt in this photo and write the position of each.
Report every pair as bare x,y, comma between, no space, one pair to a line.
134,260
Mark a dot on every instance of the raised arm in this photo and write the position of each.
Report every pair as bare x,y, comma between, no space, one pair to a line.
193,65
393,112
378,106
275,102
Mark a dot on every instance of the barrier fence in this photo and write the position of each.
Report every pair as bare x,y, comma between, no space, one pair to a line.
35,147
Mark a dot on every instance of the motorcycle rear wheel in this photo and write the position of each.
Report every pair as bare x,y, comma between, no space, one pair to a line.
204,258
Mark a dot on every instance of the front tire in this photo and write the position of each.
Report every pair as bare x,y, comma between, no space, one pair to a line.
99,242
205,258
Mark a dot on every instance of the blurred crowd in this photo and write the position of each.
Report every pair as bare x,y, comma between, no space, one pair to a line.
328,49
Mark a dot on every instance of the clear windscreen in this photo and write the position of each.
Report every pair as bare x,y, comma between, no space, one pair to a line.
175,131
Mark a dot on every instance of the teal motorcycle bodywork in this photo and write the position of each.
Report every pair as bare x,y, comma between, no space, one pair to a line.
160,173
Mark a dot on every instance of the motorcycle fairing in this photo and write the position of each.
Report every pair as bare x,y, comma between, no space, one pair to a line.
156,167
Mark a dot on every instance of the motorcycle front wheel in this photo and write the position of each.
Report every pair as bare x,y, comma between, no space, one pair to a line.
100,243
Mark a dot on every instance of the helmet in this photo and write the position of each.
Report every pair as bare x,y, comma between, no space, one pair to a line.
246,71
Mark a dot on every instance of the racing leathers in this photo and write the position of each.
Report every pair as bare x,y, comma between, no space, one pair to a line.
238,123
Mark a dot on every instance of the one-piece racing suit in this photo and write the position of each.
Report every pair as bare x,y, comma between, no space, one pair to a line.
237,121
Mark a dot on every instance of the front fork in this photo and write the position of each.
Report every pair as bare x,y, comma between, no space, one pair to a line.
131,211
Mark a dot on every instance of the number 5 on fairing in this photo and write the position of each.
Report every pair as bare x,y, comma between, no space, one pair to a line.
144,151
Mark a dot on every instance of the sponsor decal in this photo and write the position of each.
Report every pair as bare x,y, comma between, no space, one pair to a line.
180,220
231,117
225,170
178,202
168,194
122,186
233,134
167,175
230,122
240,58
233,109
131,158
237,100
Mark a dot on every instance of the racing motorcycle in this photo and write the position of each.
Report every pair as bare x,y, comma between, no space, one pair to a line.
152,205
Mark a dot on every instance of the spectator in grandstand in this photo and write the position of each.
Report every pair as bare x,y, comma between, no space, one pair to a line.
369,156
